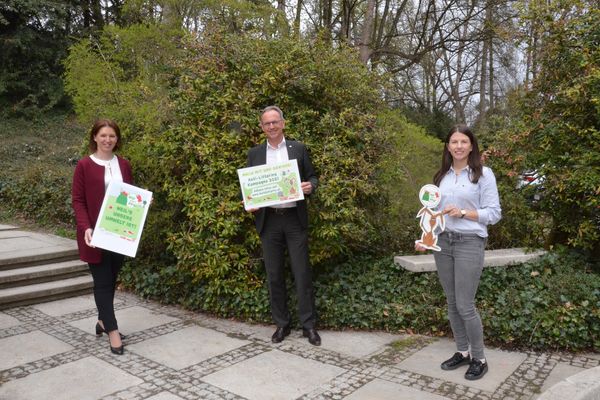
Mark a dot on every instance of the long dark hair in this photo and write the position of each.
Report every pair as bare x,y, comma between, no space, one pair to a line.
474,160
99,124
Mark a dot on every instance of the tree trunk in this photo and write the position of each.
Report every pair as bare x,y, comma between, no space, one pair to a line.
491,76
97,14
327,20
281,20
365,49
346,21
483,80
87,16
297,19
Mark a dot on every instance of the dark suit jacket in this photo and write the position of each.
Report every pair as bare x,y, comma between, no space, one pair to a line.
296,150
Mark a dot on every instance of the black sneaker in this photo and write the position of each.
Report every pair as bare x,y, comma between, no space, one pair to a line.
477,370
455,361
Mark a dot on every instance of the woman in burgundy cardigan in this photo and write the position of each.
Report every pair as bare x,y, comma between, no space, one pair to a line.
91,178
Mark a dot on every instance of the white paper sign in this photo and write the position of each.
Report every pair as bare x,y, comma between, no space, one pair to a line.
267,185
121,220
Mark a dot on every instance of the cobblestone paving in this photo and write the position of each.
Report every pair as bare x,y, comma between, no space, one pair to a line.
524,383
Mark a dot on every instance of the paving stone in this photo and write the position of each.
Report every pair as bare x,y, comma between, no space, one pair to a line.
164,396
595,356
28,347
6,321
342,385
67,306
88,378
427,362
131,319
383,390
246,331
186,347
183,355
561,371
273,376
354,343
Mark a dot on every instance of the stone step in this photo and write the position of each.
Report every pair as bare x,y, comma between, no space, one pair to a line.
42,273
493,258
46,291
23,249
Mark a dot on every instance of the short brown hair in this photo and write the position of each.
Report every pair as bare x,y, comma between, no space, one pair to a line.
99,124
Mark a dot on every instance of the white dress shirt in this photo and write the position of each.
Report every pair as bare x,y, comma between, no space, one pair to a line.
275,155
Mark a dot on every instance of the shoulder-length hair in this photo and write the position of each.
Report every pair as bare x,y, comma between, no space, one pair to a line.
474,160
99,124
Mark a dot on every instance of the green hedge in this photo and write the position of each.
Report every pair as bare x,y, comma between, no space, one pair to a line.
368,159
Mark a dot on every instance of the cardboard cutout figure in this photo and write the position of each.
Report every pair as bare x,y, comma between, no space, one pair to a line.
430,196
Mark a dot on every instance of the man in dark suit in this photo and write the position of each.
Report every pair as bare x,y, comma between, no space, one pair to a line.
286,227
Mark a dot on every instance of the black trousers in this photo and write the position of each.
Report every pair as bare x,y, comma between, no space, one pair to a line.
283,231
105,282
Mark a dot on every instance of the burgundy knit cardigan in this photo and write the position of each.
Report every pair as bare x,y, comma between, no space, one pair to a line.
87,194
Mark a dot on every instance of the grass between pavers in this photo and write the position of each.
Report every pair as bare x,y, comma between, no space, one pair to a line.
404,343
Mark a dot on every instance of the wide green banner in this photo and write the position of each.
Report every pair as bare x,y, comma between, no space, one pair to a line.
268,185
121,220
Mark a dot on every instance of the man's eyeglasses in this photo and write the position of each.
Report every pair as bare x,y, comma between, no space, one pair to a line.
271,123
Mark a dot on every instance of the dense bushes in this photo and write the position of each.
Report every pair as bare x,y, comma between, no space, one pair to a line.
40,193
555,129
330,102
36,167
409,162
188,150
124,74
550,303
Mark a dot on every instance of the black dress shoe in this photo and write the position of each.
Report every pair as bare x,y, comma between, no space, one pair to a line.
100,330
280,334
313,336
455,361
477,370
117,350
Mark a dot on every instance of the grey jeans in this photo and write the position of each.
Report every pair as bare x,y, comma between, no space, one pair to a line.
459,265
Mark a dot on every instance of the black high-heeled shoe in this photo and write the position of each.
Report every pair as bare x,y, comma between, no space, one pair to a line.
100,330
117,350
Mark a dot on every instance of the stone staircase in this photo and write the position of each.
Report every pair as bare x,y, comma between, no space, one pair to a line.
36,267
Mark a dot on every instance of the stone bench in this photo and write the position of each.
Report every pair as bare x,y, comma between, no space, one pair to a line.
493,258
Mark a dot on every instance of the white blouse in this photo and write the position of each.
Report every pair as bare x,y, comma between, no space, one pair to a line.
111,169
